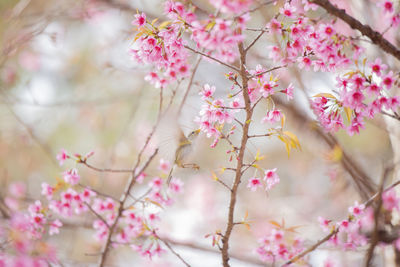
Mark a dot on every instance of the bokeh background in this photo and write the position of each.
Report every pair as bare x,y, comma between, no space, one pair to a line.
67,81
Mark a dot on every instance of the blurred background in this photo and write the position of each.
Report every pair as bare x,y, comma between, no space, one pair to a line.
67,81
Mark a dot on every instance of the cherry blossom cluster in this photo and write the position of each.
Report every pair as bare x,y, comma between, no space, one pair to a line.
219,37
355,231
69,198
362,93
265,85
270,179
135,220
280,244
163,47
215,113
317,46
21,235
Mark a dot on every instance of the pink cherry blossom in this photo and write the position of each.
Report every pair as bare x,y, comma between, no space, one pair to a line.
254,183
272,116
377,67
62,156
271,178
140,20
288,10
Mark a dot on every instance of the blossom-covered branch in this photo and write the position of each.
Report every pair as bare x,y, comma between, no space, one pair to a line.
366,30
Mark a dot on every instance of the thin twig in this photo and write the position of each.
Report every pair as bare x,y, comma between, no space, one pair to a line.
189,85
212,58
172,250
96,214
269,70
83,161
255,40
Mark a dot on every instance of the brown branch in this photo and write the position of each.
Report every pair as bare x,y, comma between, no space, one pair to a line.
83,161
255,41
312,248
238,173
260,135
394,116
166,243
375,234
97,215
326,238
196,246
122,201
366,30
269,70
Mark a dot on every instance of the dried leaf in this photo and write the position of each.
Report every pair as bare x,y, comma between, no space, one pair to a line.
276,224
327,95
348,112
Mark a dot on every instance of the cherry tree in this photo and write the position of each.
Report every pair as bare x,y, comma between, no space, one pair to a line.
248,67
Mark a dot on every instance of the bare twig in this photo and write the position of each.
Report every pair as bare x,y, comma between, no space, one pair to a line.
189,85
269,70
83,161
166,243
212,58
97,215
255,40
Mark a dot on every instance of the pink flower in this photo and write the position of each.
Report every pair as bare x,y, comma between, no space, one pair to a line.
324,223
388,80
377,66
357,209
326,30
390,200
304,62
308,5
62,156
47,190
156,183
289,92
176,185
288,10
164,165
387,6
71,177
268,88
272,178
254,183
272,116
55,227
207,91
17,189
275,26
140,20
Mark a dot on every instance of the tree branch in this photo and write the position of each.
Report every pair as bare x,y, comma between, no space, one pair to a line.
238,172
366,30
